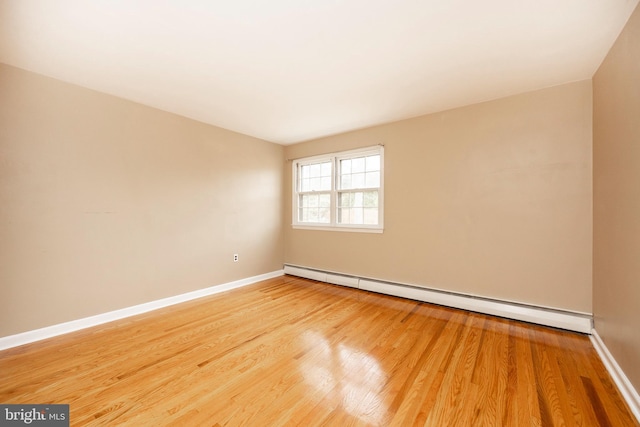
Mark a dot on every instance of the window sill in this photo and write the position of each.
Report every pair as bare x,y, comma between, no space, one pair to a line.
347,229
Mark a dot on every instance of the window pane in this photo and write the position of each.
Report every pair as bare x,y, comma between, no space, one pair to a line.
371,199
360,172
370,216
343,200
358,208
372,179
324,201
304,172
314,208
345,166
357,180
358,199
313,215
315,177
357,165
316,184
325,177
305,185
356,216
344,216
324,215
373,163
345,182
325,183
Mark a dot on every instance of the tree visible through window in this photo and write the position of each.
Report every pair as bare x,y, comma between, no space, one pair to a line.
341,190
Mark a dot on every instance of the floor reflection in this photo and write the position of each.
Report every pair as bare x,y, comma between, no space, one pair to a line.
347,375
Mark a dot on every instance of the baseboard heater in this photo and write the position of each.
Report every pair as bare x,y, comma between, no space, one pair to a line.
572,321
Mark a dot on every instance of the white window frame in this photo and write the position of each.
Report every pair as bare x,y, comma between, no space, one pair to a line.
335,158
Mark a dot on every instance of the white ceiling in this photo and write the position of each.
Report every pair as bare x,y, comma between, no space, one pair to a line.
292,70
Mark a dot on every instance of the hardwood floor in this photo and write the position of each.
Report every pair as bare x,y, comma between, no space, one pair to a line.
291,351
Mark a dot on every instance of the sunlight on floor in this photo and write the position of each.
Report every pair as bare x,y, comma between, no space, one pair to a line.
354,376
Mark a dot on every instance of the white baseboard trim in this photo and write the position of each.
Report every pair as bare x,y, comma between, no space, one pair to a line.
579,322
87,322
627,390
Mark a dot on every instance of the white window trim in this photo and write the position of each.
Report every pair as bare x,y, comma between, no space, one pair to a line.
333,224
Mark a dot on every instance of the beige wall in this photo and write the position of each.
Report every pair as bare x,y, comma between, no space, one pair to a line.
616,184
493,199
106,203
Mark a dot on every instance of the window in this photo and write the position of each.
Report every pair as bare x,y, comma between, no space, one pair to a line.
340,191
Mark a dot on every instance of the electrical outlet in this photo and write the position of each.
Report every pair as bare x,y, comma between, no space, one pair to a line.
235,257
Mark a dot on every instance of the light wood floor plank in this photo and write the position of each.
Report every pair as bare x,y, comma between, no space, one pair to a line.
290,351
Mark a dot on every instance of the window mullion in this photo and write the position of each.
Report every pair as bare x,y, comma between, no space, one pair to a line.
334,192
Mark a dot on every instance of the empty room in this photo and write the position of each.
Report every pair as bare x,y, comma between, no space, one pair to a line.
356,213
